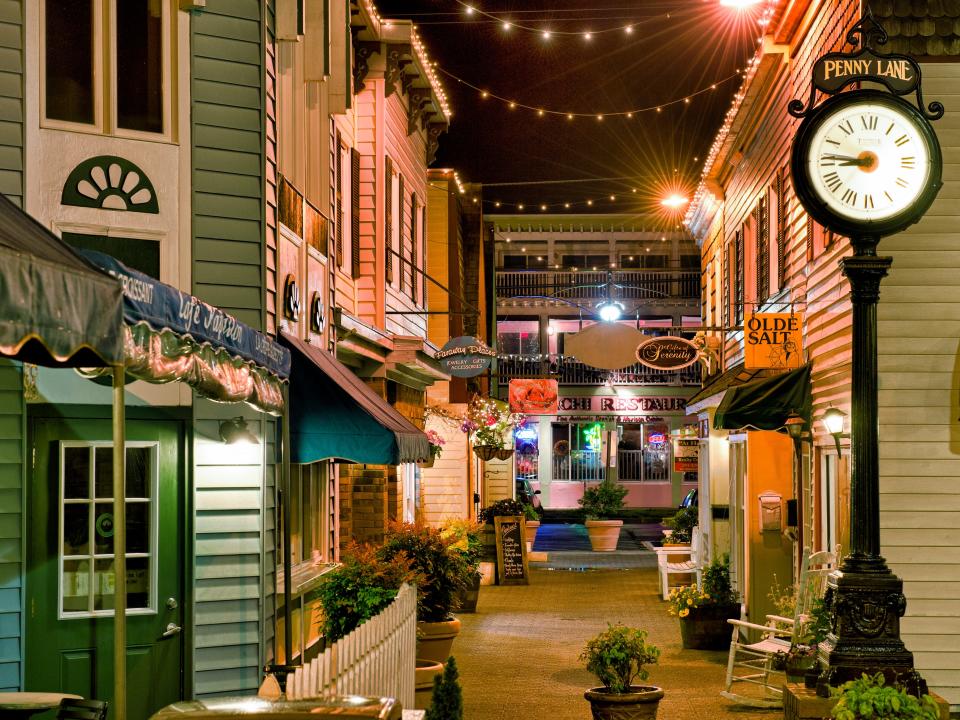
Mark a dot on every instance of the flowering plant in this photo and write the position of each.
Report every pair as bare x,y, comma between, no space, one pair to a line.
436,443
686,598
716,590
487,420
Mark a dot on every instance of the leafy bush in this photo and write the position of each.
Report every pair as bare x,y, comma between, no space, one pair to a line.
530,512
603,501
683,523
359,588
871,697
716,581
444,571
501,508
617,657
815,628
466,539
447,701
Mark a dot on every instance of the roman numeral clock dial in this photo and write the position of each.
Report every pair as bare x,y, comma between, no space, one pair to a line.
868,161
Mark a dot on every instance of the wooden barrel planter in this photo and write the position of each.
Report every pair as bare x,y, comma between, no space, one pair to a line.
706,628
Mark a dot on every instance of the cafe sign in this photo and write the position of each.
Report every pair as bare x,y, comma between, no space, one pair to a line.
667,353
465,357
773,340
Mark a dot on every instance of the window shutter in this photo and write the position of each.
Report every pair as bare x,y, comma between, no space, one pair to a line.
401,241
354,213
738,278
423,251
810,231
727,286
339,219
388,218
413,246
780,230
763,251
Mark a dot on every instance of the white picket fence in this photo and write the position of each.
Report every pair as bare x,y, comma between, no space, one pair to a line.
377,659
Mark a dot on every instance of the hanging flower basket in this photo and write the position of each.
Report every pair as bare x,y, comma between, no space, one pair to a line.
504,453
485,452
427,463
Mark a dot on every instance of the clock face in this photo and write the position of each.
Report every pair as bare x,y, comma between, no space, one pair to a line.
868,161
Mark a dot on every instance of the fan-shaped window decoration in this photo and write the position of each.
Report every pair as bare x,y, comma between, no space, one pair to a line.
111,183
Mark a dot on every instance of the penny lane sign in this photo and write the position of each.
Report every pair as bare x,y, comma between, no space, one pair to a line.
465,357
667,353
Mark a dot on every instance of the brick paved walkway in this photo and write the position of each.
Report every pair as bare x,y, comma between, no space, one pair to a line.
518,654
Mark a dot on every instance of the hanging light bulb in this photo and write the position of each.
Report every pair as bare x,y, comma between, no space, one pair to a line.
506,26
588,36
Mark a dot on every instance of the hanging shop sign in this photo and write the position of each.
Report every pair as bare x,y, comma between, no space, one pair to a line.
686,454
465,356
667,353
606,405
773,340
534,397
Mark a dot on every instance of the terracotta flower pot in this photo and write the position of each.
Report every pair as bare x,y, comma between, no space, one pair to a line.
641,703
604,534
423,682
532,527
469,596
706,628
435,639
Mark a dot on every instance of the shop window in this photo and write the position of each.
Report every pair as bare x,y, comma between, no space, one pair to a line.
77,52
514,262
312,514
86,553
578,452
643,452
518,337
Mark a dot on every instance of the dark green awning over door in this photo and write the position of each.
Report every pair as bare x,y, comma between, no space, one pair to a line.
766,404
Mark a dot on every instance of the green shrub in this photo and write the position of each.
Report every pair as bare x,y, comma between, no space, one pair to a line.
683,523
603,501
871,697
447,701
501,508
716,581
617,657
359,588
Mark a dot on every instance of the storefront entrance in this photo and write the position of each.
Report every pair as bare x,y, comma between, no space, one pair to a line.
70,554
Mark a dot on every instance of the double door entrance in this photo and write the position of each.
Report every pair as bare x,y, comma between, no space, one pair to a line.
70,560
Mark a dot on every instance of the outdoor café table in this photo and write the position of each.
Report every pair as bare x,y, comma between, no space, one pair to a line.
25,704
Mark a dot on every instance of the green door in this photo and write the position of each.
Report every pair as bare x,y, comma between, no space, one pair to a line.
69,589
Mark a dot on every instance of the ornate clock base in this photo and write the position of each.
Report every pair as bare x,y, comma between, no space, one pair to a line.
867,602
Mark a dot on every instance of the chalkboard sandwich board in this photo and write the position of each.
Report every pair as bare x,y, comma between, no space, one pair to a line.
511,550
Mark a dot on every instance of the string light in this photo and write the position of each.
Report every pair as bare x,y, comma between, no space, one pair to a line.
570,115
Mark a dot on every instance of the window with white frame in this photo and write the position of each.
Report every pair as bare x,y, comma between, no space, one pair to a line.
86,530
313,507
105,65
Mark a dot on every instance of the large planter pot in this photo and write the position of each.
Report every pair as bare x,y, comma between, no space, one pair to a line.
423,676
641,703
435,639
469,596
706,628
485,452
532,527
604,534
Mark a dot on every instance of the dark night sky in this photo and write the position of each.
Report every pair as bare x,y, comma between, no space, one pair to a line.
663,59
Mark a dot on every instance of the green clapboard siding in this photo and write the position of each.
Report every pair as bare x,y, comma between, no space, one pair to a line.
11,101
229,550
11,527
227,140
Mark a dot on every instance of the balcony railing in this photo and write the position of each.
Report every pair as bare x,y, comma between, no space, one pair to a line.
633,284
569,371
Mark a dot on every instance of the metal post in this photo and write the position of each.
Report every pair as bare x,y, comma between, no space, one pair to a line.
866,598
287,560
119,547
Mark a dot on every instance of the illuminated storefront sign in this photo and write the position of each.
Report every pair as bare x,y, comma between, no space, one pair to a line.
622,406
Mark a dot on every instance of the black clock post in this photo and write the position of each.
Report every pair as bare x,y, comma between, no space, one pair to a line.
864,597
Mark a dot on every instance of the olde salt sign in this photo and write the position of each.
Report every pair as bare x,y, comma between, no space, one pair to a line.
667,353
773,340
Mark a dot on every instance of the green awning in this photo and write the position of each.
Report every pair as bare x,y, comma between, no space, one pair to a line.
766,404
334,414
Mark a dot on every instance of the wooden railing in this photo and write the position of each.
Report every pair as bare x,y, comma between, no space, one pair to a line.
632,284
375,660
568,371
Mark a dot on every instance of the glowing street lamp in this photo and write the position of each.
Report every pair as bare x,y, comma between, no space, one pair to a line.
610,310
674,201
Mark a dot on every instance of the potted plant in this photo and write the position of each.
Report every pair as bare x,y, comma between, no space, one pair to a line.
801,661
468,541
531,524
617,657
681,525
870,697
444,573
703,613
359,588
486,422
436,447
600,503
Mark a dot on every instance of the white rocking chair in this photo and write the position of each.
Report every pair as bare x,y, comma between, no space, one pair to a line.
684,567
751,677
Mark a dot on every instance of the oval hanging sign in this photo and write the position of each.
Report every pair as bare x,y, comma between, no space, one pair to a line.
465,356
667,353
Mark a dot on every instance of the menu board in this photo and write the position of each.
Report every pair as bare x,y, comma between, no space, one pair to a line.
511,550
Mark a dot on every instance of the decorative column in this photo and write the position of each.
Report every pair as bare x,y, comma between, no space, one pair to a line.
866,597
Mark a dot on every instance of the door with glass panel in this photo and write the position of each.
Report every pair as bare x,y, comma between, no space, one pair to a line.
70,562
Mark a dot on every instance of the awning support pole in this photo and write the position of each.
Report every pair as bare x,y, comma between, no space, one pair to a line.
285,507
119,547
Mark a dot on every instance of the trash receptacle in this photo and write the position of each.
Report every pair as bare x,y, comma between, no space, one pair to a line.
348,707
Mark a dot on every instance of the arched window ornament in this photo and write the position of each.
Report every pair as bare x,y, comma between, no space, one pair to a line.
110,183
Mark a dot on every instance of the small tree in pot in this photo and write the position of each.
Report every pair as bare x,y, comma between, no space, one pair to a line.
600,504
617,657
